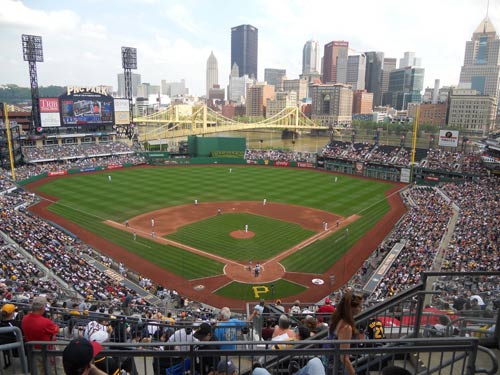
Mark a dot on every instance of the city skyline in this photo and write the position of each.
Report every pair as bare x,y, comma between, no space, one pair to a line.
174,39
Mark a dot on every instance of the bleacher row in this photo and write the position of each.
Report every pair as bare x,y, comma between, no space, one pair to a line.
437,159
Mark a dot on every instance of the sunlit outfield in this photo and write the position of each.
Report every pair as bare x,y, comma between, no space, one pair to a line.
89,199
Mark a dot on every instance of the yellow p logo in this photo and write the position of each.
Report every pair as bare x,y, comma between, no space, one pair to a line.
258,290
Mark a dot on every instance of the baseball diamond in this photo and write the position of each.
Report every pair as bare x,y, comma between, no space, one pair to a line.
196,248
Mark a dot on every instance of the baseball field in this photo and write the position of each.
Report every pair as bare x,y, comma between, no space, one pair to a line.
310,226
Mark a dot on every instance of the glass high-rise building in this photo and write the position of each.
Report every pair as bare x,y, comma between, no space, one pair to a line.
373,75
481,67
311,58
244,49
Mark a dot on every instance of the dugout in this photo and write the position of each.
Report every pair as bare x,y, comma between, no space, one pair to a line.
216,147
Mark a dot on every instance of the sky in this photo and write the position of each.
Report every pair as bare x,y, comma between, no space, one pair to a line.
82,39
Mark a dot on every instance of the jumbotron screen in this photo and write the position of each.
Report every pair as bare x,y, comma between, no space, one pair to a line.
88,108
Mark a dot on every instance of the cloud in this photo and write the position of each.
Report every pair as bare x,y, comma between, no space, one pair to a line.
15,13
182,17
94,30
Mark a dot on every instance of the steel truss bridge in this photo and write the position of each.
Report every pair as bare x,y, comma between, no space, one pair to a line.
181,121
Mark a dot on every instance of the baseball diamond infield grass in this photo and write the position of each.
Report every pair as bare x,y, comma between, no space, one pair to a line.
90,199
212,235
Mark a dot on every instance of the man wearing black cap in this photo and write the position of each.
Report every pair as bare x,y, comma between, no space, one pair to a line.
206,365
78,357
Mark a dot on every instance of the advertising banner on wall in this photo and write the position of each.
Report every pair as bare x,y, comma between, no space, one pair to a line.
448,138
405,175
122,113
49,112
83,106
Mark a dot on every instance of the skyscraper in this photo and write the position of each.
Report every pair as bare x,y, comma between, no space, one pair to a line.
311,58
333,51
212,73
405,86
481,69
373,75
244,49
409,59
356,67
275,77
136,81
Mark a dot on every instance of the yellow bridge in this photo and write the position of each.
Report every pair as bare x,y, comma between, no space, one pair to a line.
183,120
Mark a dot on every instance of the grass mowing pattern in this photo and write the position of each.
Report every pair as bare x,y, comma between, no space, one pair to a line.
282,289
178,261
88,199
317,257
212,235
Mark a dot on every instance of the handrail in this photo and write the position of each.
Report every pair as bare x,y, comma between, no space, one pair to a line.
18,344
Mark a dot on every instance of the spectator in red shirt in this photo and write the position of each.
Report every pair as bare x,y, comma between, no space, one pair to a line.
36,327
327,307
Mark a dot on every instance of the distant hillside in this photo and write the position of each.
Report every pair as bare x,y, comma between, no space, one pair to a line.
13,94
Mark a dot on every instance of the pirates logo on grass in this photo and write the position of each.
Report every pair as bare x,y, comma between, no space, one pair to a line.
260,289
199,287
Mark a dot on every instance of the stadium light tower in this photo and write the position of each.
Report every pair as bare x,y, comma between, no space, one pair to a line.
33,53
129,62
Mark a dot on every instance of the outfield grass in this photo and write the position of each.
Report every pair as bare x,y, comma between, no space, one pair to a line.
89,199
213,235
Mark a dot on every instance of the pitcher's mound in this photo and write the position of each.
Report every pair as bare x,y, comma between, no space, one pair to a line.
242,234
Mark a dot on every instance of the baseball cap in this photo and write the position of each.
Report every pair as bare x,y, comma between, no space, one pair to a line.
39,302
327,300
260,371
79,353
203,330
9,308
226,366
99,336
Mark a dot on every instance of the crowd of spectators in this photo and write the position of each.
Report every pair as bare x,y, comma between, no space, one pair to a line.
74,151
474,243
52,248
280,155
423,228
436,159
389,155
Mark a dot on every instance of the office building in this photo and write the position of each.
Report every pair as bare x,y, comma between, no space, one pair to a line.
471,112
136,81
409,59
331,104
238,86
299,86
332,52
275,77
256,100
212,74
244,49
405,86
387,68
362,102
174,88
283,100
433,114
311,58
373,75
356,71
481,69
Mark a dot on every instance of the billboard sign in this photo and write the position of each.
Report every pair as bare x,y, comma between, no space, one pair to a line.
448,138
85,107
49,112
122,111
